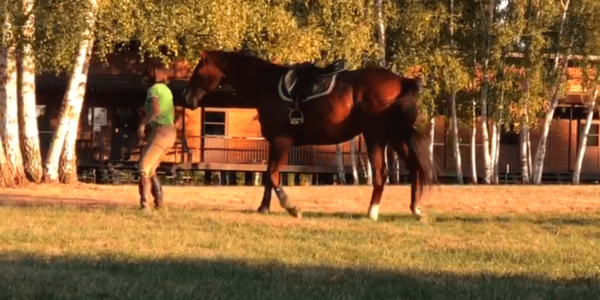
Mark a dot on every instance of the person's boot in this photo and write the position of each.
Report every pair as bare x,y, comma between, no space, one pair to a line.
157,192
144,187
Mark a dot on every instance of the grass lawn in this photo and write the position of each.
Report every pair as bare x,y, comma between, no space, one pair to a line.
90,242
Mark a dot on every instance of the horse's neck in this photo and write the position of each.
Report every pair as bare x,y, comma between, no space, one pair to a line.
258,83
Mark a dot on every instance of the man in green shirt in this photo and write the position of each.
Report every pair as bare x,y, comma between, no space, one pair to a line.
159,113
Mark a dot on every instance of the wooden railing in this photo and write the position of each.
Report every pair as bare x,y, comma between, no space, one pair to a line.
237,150
208,149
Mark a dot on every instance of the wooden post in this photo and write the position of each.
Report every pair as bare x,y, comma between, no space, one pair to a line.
208,177
202,140
570,133
183,137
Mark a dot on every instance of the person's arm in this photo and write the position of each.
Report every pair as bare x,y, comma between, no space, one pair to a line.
150,116
153,113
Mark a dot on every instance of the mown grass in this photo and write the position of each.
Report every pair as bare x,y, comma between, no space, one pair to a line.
194,252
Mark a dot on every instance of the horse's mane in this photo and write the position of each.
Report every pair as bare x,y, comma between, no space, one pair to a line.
246,59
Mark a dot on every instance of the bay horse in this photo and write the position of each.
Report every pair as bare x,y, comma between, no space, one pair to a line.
308,105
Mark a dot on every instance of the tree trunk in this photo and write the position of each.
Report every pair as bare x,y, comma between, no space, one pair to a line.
9,123
381,30
30,141
431,139
366,168
455,139
340,164
71,108
493,146
353,159
369,172
540,153
496,179
474,144
583,139
6,178
523,153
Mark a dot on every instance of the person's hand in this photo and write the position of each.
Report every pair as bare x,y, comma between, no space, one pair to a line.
141,130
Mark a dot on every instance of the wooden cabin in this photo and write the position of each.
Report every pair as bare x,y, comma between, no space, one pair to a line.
225,137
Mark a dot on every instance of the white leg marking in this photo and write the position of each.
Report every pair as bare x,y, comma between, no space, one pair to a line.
374,212
417,211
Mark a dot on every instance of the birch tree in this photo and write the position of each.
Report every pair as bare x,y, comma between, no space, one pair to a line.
9,125
30,142
452,103
538,17
590,101
353,160
72,104
419,43
588,44
6,178
557,78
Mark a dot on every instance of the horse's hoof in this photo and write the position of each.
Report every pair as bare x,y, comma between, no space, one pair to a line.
295,211
263,210
374,212
418,214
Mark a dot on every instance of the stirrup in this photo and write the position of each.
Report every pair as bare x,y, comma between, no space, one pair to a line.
297,119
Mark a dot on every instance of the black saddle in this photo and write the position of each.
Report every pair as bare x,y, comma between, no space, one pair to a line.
301,78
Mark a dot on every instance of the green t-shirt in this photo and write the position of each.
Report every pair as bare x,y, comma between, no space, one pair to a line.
165,102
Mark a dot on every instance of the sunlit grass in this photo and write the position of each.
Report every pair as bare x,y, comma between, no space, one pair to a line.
195,251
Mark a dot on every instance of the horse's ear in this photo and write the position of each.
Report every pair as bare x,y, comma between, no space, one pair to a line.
203,54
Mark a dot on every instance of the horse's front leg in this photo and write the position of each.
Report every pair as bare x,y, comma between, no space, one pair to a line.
279,149
265,204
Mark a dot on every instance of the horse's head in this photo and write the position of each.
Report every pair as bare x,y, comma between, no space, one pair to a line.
206,77
240,73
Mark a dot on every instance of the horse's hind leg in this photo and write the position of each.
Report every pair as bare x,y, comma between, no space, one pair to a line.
376,151
410,160
278,153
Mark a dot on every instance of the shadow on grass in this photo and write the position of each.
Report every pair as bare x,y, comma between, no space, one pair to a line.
27,277
565,220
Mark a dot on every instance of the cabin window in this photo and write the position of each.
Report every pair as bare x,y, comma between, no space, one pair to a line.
592,138
214,123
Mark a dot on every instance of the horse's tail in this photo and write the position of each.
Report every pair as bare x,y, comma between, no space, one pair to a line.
415,135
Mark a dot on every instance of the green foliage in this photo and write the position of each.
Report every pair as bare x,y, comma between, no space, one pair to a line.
290,31
59,26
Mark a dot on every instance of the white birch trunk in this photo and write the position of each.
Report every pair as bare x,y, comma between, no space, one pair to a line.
496,179
540,153
30,142
381,30
6,178
474,145
494,129
72,104
9,123
431,140
523,153
583,139
353,159
340,164
386,165
369,172
366,168
455,139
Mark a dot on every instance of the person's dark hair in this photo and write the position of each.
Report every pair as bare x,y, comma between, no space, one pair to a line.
157,72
